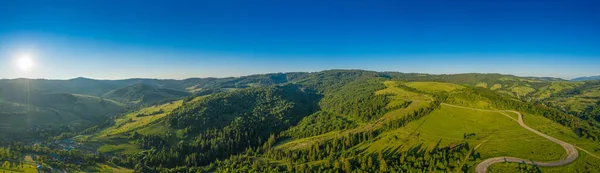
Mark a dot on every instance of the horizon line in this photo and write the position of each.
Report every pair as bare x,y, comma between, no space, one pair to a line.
245,75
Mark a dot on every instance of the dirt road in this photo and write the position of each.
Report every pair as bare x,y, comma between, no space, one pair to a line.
572,153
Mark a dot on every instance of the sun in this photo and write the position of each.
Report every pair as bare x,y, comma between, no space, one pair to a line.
25,62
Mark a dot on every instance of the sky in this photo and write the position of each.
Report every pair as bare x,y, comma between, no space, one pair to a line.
111,39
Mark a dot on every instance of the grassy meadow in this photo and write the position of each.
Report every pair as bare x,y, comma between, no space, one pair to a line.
498,134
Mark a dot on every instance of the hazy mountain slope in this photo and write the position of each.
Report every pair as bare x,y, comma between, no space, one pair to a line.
45,114
75,86
586,78
144,94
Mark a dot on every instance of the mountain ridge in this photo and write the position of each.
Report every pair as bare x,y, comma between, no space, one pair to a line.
248,75
585,78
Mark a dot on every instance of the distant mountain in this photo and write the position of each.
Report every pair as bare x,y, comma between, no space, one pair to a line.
144,94
586,78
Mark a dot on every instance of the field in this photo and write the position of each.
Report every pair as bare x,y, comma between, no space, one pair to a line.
140,118
104,168
482,85
587,162
500,135
398,96
433,86
29,166
496,133
579,102
114,146
114,138
496,86
522,90
305,142
143,121
26,168
555,87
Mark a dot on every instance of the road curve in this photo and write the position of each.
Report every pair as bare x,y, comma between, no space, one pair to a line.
572,153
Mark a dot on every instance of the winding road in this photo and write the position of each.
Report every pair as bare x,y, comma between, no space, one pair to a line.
572,153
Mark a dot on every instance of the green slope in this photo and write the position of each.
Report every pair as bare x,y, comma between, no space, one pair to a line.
500,135
144,94
47,113
494,133
340,120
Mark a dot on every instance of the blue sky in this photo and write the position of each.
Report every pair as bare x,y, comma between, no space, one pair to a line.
180,39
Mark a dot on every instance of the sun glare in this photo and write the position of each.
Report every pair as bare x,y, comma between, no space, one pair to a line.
25,62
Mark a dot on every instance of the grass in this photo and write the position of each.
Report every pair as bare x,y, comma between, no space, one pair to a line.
119,148
522,90
498,134
83,112
469,100
131,122
399,96
513,115
294,144
563,133
578,103
26,168
585,162
495,87
482,85
106,168
555,87
29,166
156,129
112,139
503,136
433,86
194,89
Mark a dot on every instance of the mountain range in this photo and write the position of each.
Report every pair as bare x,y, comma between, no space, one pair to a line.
586,78
328,121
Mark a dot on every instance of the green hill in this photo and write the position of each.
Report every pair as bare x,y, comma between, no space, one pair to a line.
358,118
144,94
52,114
331,121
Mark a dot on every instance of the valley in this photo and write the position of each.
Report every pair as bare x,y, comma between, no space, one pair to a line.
329,121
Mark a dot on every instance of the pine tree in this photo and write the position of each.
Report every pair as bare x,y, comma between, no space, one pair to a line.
383,167
347,166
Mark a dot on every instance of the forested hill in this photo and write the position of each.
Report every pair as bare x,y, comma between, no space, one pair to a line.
144,94
518,86
576,98
329,121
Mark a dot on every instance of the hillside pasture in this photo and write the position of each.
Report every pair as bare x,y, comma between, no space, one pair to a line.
498,134
434,86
